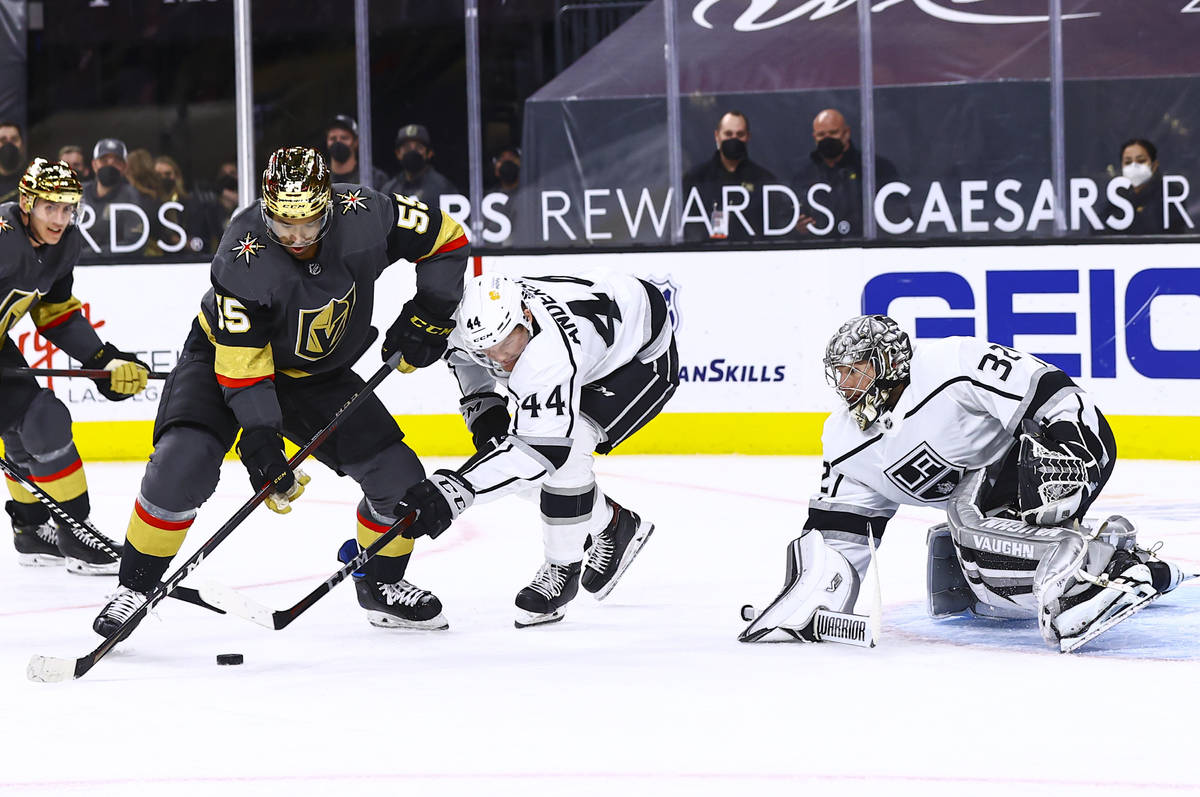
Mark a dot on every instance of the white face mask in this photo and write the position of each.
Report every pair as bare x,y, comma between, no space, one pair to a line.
1136,173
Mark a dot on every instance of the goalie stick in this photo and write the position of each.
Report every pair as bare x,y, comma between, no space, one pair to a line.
236,603
87,373
51,669
87,530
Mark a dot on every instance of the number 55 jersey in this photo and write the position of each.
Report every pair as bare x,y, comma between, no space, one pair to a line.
961,410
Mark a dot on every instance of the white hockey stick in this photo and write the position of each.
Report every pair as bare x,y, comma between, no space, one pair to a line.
828,626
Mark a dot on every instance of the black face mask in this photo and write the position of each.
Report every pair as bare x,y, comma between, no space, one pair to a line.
509,172
830,148
339,152
412,162
108,176
227,182
168,185
734,149
10,157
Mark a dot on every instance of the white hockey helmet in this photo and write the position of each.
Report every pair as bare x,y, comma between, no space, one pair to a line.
880,341
492,307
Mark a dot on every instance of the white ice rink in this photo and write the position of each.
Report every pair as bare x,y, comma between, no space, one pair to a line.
646,693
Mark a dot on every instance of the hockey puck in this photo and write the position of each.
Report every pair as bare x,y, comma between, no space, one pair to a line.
748,613
230,658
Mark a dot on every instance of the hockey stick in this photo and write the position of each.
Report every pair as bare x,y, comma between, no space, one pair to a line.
87,530
89,373
239,605
825,626
51,669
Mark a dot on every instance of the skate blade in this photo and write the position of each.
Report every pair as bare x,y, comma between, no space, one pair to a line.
39,560
381,620
1069,644
82,568
529,619
631,552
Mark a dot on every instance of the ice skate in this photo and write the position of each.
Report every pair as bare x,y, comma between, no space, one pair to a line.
120,607
400,605
613,550
1124,588
37,546
84,555
546,597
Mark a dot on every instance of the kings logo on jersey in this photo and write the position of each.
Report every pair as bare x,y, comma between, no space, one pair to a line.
670,292
925,475
320,330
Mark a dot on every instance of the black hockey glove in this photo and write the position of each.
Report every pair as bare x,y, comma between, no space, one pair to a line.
420,336
1056,473
486,415
128,377
438,500
261,450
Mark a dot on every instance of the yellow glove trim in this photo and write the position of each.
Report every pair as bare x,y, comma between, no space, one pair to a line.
127,378
281,503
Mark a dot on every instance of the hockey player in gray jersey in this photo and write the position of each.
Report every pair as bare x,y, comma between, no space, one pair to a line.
1013,450
270,353
586,362
39,247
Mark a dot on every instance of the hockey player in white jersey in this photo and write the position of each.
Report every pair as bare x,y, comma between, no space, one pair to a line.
586,363
1013,450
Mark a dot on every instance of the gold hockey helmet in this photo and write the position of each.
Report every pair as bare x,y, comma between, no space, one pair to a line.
296,183
51,181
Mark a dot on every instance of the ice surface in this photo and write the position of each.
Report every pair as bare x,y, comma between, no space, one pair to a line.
648,692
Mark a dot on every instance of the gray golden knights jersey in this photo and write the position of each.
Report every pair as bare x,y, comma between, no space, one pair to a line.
38,281
961,410
584,328
269,313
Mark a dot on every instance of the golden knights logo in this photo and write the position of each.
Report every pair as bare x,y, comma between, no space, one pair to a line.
246,247
321,330
353,201
14,306
4,225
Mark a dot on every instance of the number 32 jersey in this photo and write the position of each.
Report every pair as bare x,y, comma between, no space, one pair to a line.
962,410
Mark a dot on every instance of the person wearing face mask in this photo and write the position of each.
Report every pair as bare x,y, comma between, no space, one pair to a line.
1139,165
12,158
114,229
341,151
836,162
730,165
417,178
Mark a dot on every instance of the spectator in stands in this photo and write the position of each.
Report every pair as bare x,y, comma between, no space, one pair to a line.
72,155
215,209
341,147
836,162
108,189
417,178
170,188
730,165
139,171
1139,165
506,167
12,160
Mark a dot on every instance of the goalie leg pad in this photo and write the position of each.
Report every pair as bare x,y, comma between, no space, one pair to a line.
817,576
948,590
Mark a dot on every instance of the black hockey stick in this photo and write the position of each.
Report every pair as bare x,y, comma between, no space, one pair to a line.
51,669
88,373
87,530
239,605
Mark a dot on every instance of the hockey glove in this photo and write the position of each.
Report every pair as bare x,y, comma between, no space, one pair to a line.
261,450
1056,473
438,500
486,416
420,336
128,373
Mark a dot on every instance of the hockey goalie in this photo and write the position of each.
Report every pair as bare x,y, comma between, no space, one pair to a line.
1009,446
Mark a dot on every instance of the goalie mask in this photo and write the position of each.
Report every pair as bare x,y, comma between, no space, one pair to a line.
296,193
873,340
492,307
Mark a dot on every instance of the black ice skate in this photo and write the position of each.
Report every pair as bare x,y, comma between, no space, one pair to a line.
121,605
1124,588
84,555
400,605
543,601
613,550
37,546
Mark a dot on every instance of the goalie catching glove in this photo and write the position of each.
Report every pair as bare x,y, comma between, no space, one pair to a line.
420,336
261,450
438,500
1056,473
128,374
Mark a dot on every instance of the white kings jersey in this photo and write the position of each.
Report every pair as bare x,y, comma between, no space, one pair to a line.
962,410
584,328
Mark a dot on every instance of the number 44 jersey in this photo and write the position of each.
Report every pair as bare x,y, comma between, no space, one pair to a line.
961,410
